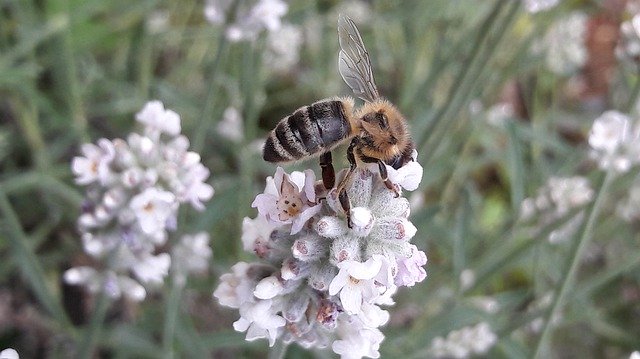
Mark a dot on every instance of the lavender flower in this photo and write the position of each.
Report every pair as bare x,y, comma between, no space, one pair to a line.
614,139
464,343
251,18
565,44
134,191
557,198
534,6
320,283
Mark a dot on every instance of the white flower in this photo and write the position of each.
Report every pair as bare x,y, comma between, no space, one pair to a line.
255,235
407,176
635,355
9,354
269,12
112,284
191,254
614,138
157,119
355,283
268,288
215,10
259,321
534,6
628,48
355,340
231,125
283,48
289,203
94,166
463,343
565,44
153,208
235,288
152,269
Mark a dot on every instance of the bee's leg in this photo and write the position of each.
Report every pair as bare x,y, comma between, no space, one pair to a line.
382,168
342,187
328,173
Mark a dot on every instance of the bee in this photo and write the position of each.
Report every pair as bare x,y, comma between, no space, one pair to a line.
378,132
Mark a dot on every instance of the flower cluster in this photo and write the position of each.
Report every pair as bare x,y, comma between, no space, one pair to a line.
565,44
555,200
614,139
534,6
321,283
251,17
465,342
134,190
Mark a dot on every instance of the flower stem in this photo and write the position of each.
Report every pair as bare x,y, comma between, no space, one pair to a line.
572,267
27,261
278,351
90,338
171,315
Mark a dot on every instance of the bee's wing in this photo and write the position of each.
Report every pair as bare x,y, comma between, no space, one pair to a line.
353,61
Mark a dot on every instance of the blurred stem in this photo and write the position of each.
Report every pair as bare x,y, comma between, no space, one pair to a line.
633,97
572,267
171,316
207,111
467,80
62,49
28,262
27,114
91,336
454,91
278,351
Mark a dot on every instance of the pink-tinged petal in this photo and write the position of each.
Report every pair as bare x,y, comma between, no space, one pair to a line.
266,205
302,218
241,325
351,299
278,178
309,186
338,282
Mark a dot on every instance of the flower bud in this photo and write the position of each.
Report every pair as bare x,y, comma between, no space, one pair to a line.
268,288
321,276
293,269
362,221
296,307
330,227
393,229
345,248
309,248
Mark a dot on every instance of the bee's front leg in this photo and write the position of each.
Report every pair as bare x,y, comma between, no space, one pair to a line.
342,187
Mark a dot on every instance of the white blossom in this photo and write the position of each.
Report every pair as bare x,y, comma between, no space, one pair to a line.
565,44
465,342
614,139
135,188
283,48
534,6
251,18
231,126
191,254
322,279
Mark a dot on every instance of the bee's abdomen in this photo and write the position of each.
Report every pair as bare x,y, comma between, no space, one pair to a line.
310,130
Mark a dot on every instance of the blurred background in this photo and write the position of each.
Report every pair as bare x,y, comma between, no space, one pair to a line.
500,96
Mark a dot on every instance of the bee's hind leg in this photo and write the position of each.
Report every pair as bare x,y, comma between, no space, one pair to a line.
342,187
328,173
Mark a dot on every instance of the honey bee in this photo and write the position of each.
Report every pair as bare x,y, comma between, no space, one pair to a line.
379,133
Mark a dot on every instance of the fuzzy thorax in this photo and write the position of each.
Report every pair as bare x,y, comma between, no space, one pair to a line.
383,130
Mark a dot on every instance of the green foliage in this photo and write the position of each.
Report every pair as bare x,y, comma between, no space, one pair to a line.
74,71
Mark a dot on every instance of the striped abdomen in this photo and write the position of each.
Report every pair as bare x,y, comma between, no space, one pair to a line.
311,130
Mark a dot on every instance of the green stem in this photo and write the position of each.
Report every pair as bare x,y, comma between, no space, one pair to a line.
278,351
478,42
28,262
207,111
171,315
91,336
633,97
572,268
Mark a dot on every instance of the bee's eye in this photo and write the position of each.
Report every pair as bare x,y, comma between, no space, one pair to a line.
381,118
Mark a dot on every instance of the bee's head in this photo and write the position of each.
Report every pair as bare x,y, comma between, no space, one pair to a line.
384,123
